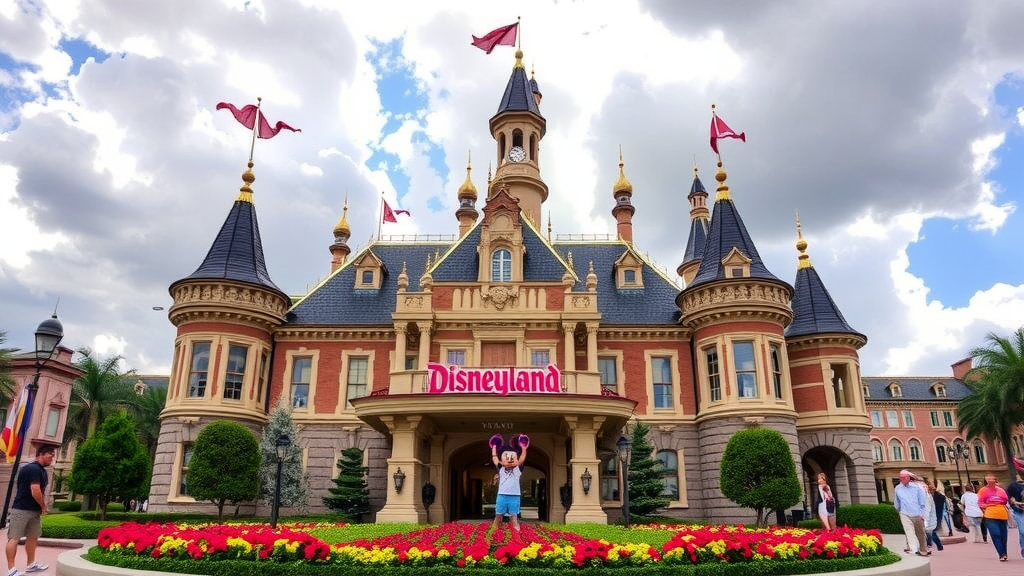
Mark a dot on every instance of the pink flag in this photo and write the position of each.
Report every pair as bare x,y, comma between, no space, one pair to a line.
504,36
389,214
247,117
719,129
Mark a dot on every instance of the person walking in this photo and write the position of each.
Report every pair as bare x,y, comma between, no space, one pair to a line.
993,500
826,503
28,507
932,522
1015,492
969,503
910,502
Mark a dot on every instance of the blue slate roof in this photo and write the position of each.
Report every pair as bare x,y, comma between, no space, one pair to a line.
914,389
237,251
337,301
654,304
540,264
697,240
462,264
518,95
814,311
727,232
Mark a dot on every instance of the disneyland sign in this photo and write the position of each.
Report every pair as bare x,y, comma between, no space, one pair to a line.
501,381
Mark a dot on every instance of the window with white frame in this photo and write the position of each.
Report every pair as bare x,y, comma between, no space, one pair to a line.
914,447
877,453
714,376
52,421
501,265
746,371
947,418
358,367
199,371
540,357
235,374
979,453
908,418
610,477
891,419
302,369
876,418
895,450
606,365
776,355
456,357
940,454
661,373
934,414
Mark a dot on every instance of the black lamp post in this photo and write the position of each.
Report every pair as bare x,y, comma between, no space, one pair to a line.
625,454
281,448
956,461
961,453
49,333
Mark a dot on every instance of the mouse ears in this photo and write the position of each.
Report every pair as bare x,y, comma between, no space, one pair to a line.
516,443
496,442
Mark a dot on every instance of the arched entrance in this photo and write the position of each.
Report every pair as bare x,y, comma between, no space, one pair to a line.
836,465
472,490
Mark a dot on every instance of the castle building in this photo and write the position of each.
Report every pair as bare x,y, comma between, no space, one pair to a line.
417,352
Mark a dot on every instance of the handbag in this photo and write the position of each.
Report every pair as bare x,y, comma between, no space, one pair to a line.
830,506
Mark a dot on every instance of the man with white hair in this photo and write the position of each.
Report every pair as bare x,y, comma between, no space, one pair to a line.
911,503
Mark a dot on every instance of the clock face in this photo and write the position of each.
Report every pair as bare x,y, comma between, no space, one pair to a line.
517,154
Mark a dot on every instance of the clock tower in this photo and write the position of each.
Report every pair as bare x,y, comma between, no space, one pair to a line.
517,129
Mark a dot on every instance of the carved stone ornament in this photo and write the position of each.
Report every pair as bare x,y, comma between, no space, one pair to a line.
501,296
230,295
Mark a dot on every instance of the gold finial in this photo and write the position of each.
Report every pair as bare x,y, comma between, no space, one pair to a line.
803,260
568,257
342,226
549,225
468,190
519,59
404,271
723,188
245,192
622,184
695,169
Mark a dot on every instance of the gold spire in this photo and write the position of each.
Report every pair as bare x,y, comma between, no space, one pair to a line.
342,226
468,190
519,59
549,225
245,192
803,260
723,188
622,184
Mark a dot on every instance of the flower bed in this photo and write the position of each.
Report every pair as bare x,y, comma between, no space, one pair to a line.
460,545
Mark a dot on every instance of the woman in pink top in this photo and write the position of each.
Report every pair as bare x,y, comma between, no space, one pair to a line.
993,500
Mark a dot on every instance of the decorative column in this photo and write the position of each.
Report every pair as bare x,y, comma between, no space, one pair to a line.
401,331
592,347
424,354
570,347
404,506
586,506
558,478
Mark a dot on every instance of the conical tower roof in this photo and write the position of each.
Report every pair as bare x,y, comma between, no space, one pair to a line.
814,311
698,225
518,96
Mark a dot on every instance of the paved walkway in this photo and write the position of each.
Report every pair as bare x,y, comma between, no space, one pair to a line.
957,559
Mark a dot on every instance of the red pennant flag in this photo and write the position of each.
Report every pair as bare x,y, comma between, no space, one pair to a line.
247,117
390,215
719,129
504,36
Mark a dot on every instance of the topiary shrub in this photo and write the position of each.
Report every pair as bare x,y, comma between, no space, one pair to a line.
880,516
67,505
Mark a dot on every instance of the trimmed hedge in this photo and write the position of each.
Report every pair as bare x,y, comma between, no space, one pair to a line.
68,505
882,517
270,568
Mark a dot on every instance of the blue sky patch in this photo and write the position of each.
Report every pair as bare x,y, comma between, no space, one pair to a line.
955,261
80,51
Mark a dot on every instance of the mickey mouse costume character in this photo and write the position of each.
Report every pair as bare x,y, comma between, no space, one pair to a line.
513,457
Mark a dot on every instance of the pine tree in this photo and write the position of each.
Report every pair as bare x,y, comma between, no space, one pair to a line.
646,488
294,480
349,496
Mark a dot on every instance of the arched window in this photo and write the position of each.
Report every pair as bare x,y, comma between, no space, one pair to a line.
914,448
877,452
501,266
940,453
669,472
895,450
979,453
610,476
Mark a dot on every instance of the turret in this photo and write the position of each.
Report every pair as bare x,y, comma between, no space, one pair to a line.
623,211
698,198
467,213
340,249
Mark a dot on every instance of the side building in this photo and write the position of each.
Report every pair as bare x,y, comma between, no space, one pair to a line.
417,351
914,426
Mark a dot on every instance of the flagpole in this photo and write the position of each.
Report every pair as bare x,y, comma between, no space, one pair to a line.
718,154
380,215
255,127
519,33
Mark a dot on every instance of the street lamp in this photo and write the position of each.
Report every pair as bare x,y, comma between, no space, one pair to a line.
625,454
48,335
399,478
960,453
281,448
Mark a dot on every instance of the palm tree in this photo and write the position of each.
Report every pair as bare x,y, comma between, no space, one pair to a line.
101,390
996,404
147,419
6,382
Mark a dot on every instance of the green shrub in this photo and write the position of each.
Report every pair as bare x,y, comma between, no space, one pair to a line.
879,516
115,507
67,505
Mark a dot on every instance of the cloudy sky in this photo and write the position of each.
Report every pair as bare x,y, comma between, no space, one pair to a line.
894,128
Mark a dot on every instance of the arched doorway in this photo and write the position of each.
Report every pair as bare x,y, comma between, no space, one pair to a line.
836,466
472,491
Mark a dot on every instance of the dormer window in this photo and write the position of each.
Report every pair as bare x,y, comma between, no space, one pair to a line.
629,271
369,272
501,265
367,277
736,265
867,391
939,390
629,277
895,391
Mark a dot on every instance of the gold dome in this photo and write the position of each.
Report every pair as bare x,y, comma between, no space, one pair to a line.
342,226
622,184
468,190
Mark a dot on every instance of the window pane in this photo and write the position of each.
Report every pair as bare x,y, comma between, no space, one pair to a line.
669,470
457,357
186,457
200,367
609,477
609,373
776,354
908,418
746,376
357,375
302,369
714,380
52,421
935,419
501,266
539,358
940,451
661,371
891,420
947,418
629,276
876,418
235,374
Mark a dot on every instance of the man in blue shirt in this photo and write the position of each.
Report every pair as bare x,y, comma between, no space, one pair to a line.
1015,492
909,500
29,505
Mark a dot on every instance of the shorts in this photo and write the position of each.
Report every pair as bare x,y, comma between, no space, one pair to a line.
506,504
24,523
